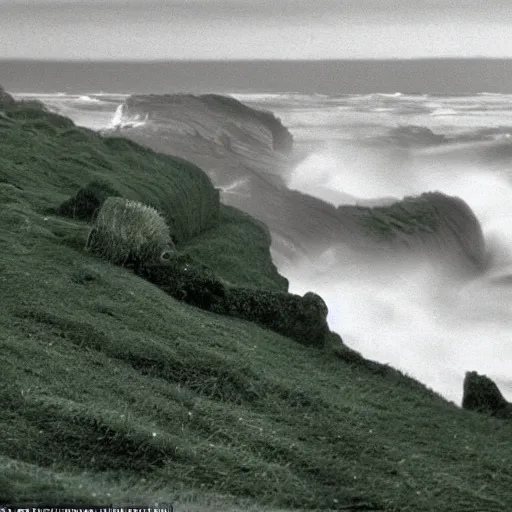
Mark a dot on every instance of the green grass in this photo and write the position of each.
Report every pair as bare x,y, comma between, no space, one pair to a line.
227,250
409,216
38,145
114,392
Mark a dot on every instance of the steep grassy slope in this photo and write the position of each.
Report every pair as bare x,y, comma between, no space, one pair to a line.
227,250
38,145
114,392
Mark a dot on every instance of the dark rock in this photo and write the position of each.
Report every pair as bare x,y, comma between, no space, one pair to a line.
184,279
481,394
313,301
87,201
6,100
303,319
413,136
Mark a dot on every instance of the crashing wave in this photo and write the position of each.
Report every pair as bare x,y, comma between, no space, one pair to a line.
420,138
389,95
88,99
433,223
444,112
239,187
499,94
210,115
122,120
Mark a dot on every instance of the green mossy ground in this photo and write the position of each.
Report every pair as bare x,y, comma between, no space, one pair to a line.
112,391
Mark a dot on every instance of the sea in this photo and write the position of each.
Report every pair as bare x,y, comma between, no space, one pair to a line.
452,122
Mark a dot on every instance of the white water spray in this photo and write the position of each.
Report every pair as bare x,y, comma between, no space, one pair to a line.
121,120
417,317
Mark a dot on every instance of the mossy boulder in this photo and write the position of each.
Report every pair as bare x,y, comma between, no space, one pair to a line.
185,279
87,201
315,302
481,394
303,319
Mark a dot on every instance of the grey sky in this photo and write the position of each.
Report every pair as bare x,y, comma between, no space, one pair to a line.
280,29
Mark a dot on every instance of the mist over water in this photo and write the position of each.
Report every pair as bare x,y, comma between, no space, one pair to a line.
426,320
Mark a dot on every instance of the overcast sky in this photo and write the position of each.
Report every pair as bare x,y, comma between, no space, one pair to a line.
248,29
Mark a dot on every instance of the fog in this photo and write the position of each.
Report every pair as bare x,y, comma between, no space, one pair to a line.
431,322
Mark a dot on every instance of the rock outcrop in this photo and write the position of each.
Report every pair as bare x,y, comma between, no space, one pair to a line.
481,394
303,319
6,100
282,140
407,136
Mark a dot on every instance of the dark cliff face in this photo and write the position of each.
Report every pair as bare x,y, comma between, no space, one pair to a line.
227,112
282,139
247,154
6,100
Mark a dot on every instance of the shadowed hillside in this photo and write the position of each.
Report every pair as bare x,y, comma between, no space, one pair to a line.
114,391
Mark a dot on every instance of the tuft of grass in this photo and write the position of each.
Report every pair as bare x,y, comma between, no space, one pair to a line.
128,231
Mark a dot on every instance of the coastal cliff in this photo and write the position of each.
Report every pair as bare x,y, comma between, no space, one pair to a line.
115,391
248,155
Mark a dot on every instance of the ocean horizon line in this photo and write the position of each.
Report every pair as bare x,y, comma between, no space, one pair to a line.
329,60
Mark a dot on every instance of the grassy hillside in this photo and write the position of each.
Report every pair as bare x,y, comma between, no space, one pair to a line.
114,392
41,147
